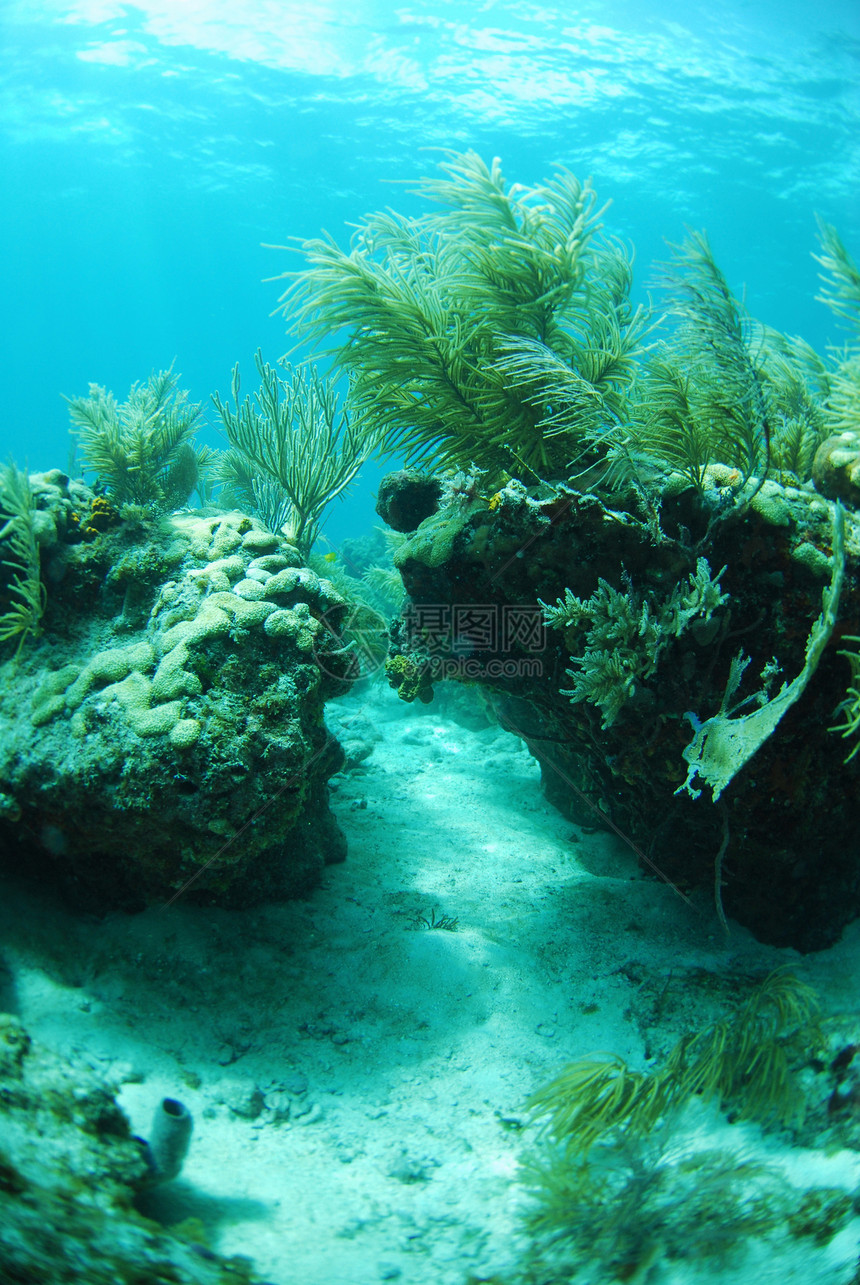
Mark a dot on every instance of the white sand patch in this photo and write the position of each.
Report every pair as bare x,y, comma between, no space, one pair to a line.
357,1075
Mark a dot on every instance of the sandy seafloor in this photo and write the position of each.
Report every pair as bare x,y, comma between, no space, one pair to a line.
357,1078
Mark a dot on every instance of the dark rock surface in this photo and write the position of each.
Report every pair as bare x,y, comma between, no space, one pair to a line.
786,827
406,498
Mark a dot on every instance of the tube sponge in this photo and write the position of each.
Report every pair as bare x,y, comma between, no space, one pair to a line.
169,1140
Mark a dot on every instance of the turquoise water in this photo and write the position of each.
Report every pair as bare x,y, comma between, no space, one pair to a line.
150,152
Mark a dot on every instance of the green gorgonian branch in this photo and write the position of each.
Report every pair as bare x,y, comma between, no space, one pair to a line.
850,706
294,448
702,399
142,448
797,386
617,1186
498,334
745,1061
20,552
447,323
841,293
841,290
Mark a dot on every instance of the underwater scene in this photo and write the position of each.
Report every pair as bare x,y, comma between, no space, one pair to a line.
430,642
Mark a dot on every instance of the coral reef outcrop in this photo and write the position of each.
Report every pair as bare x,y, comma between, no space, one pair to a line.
608,641
166,734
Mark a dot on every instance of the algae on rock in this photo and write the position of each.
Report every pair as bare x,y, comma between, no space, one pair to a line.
627,634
